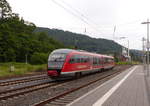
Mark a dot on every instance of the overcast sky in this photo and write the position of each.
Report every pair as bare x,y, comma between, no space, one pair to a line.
98,17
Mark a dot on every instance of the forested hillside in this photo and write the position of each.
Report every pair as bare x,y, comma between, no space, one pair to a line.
18,42
85,42
82,41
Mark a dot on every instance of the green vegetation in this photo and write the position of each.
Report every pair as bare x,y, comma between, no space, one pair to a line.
127,63
87,43
83,42
17,39
19,68
20,39
39,58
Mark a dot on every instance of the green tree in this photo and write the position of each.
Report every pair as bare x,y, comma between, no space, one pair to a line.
39,58
5,9
18,39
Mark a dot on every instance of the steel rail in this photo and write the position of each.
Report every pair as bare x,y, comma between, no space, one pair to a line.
42,103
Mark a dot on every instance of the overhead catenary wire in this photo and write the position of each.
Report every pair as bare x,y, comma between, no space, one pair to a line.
74,14
81,14
92,22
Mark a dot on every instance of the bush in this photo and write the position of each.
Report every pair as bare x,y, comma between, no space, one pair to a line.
123,63
39,58
127,63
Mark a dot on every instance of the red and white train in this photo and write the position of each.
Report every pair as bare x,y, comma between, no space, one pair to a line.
68,62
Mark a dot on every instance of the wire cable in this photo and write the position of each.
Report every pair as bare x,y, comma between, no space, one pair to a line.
77,16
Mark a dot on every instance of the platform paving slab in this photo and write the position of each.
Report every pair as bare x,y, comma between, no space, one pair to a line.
129,88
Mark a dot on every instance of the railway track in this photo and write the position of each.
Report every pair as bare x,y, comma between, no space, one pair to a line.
60,93
68,96
4,95
23,80
21,91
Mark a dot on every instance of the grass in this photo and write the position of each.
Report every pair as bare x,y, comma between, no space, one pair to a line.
127,63
19,68
22,68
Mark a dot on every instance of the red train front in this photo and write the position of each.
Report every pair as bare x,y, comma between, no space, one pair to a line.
68,62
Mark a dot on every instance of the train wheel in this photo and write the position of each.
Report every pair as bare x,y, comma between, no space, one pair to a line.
78,74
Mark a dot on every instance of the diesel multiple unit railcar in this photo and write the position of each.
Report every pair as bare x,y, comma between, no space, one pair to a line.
68,62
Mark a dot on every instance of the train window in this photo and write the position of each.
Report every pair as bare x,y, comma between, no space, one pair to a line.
86,59
99,61
105,60
75,59
89,58
57,57
95,60
108,60
79,59
83,59
72,60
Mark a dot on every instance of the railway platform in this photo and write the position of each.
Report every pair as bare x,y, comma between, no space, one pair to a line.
130,88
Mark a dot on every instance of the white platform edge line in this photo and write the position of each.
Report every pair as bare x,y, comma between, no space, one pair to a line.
88,93
101,101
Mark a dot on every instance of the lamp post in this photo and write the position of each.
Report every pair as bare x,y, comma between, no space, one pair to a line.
147,45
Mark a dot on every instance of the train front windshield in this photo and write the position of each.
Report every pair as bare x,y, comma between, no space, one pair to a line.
57,57
56,60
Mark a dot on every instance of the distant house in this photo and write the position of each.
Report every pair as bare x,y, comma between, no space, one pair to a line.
125,58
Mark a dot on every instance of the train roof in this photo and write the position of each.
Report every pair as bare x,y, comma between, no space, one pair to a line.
107,56
72,50
63,51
